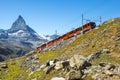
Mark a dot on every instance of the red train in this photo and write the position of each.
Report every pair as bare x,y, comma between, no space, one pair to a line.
68,35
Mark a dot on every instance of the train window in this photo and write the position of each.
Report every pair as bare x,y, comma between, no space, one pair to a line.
80,28
85,26
77,29
71,32
88,24
93,24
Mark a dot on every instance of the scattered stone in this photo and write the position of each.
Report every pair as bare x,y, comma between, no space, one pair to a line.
29,58
47,63
42,66
105,51
85,65
77,61
77,67
4,65
34,79
58,78
102,64
109,67
65,63
112,67
97,54
36,57
117,38
48,69
72,62
51,62
87,71
106,75
94,55
107,72
74,75
58,65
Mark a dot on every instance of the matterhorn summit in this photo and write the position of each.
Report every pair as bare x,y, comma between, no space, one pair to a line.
21,31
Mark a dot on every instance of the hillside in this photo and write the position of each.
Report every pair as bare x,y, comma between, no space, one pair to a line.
92,56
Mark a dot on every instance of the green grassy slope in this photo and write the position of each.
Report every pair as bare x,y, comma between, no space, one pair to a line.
106,36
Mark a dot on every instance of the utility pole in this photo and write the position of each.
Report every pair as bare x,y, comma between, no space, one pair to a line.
82,19
82,25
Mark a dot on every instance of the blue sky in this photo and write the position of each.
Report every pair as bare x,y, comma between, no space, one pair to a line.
47,16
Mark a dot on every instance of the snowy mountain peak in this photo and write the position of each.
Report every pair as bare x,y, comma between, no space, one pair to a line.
19,24
20,17
20,30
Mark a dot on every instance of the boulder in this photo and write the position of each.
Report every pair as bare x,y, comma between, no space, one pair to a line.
105,51
109,67
94,55
74,75
4,65
61,64
65,63
29,58
85,64
36,57
72,62
102,64
48,69
108,72
77,61
51,62
97,54
58,78
58,65
106,75
42,66
34,79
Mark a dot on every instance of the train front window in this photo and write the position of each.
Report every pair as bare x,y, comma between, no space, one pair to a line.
94,24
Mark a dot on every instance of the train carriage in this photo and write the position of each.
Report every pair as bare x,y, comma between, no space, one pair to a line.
65,36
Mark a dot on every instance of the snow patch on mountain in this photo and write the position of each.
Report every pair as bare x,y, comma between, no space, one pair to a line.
45,37
19,33
49,37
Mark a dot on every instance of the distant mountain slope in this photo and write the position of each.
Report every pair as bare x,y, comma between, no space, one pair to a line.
3,34
6,54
